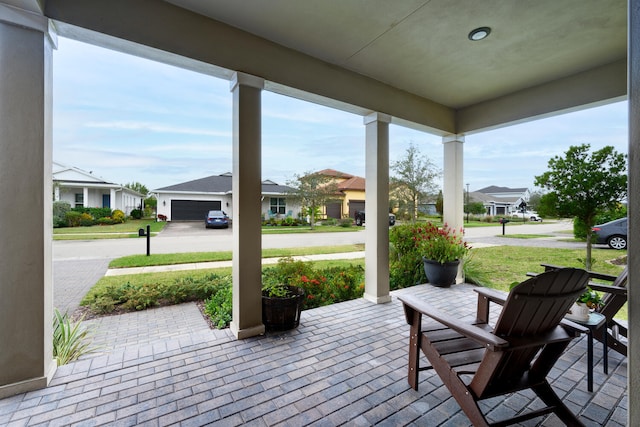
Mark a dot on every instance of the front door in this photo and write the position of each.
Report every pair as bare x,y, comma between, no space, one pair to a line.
106,201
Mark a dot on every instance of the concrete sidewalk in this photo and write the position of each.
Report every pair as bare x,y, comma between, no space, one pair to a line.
220,264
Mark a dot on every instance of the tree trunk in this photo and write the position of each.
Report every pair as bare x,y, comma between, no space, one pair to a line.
587,260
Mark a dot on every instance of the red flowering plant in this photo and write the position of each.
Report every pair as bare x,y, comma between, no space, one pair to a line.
440,244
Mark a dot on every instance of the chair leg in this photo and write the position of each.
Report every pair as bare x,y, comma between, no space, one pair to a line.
550,398
415,319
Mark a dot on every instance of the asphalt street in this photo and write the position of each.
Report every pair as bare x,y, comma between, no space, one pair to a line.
79,264
193,237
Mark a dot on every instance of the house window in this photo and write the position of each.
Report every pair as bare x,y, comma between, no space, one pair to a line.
278,205
79,200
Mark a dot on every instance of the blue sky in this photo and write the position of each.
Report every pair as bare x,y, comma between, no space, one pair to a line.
129,119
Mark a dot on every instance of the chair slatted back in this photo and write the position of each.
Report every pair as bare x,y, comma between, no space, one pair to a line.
612,303
533,308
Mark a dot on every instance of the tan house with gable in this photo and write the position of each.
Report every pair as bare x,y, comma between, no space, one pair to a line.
350,197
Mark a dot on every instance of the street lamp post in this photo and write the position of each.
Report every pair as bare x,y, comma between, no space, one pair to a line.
467,203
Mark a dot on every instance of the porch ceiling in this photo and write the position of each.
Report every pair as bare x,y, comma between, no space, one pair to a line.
410,59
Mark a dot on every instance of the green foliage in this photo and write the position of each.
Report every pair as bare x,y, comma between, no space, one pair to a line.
586,184
136,214
129,297
104,221
579,228
413,180
73,218
219,307
322,286
547,206
95,213
410,242
118,216
86,220
346,222
313,190
60,210
405,260
591,298
70,339
136,186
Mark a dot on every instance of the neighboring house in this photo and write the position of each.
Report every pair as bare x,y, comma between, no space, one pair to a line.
500,200
83,189
190,201
350,197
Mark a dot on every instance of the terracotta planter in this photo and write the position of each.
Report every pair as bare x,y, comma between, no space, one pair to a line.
282,314
441,275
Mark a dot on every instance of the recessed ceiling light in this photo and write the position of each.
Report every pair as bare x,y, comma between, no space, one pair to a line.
479,34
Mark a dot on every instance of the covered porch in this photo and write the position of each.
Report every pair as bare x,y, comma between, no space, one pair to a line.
346,364
411,64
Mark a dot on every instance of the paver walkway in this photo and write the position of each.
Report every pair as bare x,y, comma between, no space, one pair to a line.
344,365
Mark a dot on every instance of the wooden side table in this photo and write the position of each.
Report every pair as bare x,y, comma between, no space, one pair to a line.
595,321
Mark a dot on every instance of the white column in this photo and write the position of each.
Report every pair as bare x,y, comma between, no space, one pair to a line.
377,208
247,191
112,198
56,194
633,76
26,291
85,197
453,186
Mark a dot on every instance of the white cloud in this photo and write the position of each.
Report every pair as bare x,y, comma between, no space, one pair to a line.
130,119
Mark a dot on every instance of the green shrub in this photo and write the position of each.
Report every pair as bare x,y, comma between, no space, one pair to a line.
86,220
118,216
322,286
73,218
60,210
219,307
70,339
405,260
136,214
105,221
346,222
95,213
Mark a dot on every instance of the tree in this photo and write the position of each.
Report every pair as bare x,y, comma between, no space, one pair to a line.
313,191
136,186
586,185
414,180
534,200
440,203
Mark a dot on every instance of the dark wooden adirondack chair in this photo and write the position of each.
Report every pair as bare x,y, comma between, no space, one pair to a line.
615,297
476,361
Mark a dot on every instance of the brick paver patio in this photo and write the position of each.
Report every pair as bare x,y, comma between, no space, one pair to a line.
344,365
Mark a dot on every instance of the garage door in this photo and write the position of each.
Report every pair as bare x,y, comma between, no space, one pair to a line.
355,205
192,210
333,210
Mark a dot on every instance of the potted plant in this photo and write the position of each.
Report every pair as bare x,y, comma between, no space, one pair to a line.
441,249
589,301
281,306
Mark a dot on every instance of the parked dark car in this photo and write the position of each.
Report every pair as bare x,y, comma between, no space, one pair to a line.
359,217
216,219
612,233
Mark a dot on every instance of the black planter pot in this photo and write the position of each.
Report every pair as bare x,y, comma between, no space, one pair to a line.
441,275
282,314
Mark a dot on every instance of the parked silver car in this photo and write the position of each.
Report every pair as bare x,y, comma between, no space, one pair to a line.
612,233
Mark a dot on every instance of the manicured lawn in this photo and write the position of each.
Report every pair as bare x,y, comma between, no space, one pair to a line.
192,257
495,267
115,231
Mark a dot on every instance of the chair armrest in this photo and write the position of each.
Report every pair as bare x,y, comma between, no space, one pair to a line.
473,332
573,327
609,289
493,295
592,274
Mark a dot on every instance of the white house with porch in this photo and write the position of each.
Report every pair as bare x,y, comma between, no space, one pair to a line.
84,189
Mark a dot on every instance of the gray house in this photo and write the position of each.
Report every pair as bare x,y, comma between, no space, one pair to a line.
191,200
501,200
